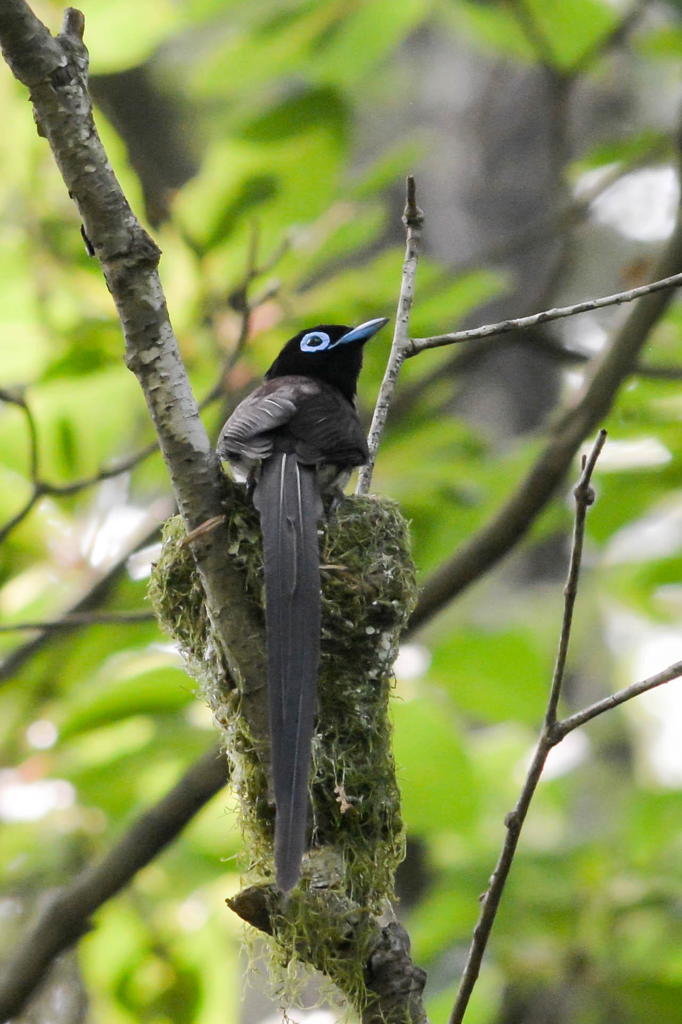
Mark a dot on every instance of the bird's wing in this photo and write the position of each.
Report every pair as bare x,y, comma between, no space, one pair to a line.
249,431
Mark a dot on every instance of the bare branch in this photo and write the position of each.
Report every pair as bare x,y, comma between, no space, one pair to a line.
105,473
413,219
568,432
584,497
92,598
65,915
490,901
20,400
566,725
80,619
55,69
418,345
57,490
552,734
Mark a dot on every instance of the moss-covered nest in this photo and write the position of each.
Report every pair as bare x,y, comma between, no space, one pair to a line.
368,586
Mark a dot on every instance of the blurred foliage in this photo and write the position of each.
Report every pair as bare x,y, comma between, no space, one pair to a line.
276,95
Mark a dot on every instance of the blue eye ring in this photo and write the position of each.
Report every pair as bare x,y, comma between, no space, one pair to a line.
314,341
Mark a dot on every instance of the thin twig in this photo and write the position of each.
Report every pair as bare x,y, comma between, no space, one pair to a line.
413,219
66,914
248,306
566,725
105,473
203,529
490,900
584,497
21,402
567,433
41,488
417,345
80,619
19,516
95,595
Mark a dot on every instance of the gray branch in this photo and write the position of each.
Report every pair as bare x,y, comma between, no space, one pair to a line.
55,70
65,914
568,432
572,722
490,901
413,219
418,345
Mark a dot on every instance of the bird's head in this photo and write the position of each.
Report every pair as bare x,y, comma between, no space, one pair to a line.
330,352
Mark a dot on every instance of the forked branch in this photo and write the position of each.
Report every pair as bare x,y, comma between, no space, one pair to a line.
552,732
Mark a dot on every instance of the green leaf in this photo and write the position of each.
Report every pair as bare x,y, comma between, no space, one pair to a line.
356,44
307,109
564,30
628,150
156,691
494,675
111,40
663,43
437,784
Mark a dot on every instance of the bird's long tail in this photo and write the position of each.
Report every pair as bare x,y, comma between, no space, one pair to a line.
288,499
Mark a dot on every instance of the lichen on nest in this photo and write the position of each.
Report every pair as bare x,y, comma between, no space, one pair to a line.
368,592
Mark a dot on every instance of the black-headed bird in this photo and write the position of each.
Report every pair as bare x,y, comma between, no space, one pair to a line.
295,439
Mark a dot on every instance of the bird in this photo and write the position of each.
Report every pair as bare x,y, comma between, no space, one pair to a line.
294,441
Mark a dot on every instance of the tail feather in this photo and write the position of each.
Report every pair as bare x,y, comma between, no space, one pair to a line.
288,499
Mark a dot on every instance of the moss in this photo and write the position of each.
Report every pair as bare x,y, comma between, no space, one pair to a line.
368,591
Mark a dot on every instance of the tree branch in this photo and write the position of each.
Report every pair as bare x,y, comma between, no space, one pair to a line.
568,432
417,345
616,35
93,597
584,497
413,219
240,300
394,983
17,398
55,69
65,915
67,621
566,725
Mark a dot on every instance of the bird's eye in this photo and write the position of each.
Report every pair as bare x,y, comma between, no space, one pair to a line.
314,341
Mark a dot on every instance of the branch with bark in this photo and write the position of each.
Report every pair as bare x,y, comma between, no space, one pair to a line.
418,345
413,219
553,732
569,430
55,71
96,593
394,984
64,915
